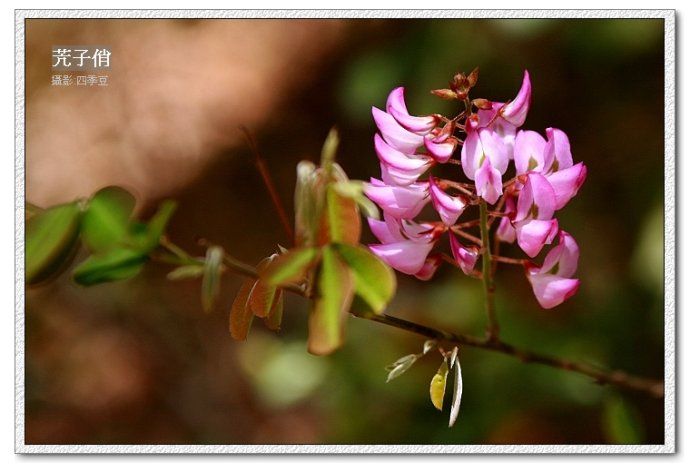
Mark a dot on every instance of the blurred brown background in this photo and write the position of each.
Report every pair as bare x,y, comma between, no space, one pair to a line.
138,362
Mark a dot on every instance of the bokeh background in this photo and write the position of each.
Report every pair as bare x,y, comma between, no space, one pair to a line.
137,362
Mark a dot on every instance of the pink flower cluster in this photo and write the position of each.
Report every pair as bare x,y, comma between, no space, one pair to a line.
545,180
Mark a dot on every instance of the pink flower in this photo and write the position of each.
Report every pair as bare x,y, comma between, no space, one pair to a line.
441,144
449,208
399,168
565,178
484,159
515,111
405,245
551,282
396,107
395,135
399,202
535,207
505,231
466,257
529,152
429,268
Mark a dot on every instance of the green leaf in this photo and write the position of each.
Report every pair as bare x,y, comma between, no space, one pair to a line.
457,388
306,203
335,290
210,284
374,281
344,223
291,267
437,389
622,423
275,316
51,240
186,272
354,189
106,220
31,210
399,367
240,313
150,235
116,264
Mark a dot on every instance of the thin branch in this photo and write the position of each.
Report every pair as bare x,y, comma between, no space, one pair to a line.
268,181
487,275
620,379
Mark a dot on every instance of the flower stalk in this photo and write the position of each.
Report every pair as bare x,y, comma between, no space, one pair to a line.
492,328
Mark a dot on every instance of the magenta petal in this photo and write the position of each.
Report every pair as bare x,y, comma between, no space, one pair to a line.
440,151
534,234
394,158
400,202
562,259
488,182
515,112
384,232
505,231
449,208
407,257
567,182
392,176
528,152
537,199
429,268
397,108
552,290
465,257
558,150
394,134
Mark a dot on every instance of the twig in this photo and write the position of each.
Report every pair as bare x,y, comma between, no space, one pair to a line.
620,379
487,275
268,181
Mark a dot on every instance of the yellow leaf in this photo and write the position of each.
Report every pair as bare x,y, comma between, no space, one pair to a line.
437,389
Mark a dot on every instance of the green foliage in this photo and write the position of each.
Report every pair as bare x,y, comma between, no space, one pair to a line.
119,247
291,267
51,240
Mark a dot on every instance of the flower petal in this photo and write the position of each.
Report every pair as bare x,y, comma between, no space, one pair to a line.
396,107
394,134
532,235
529,152
400,202
429,268
440,150
537,199
407,257
488,182
552,290
494,149
505,231
558,150
515,112
464,256
562,259
449,208
567,182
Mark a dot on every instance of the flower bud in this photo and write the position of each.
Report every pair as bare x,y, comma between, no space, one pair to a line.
482,103
445,94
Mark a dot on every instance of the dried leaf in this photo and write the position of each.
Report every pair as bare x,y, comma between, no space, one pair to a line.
210,284
437,389
335,290
344,223
240,313
457,388
428,345
399,367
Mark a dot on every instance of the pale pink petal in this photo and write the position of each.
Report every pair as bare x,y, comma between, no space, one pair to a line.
488,182
383,231
528,152
441,151
562,259
449,208
394,158
532,235
558,150
505,231
407,257
552,290
494,149
400,202
392,176
397,108
567,182
537,199
471,154
394,134
429,268
515,112
464,256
